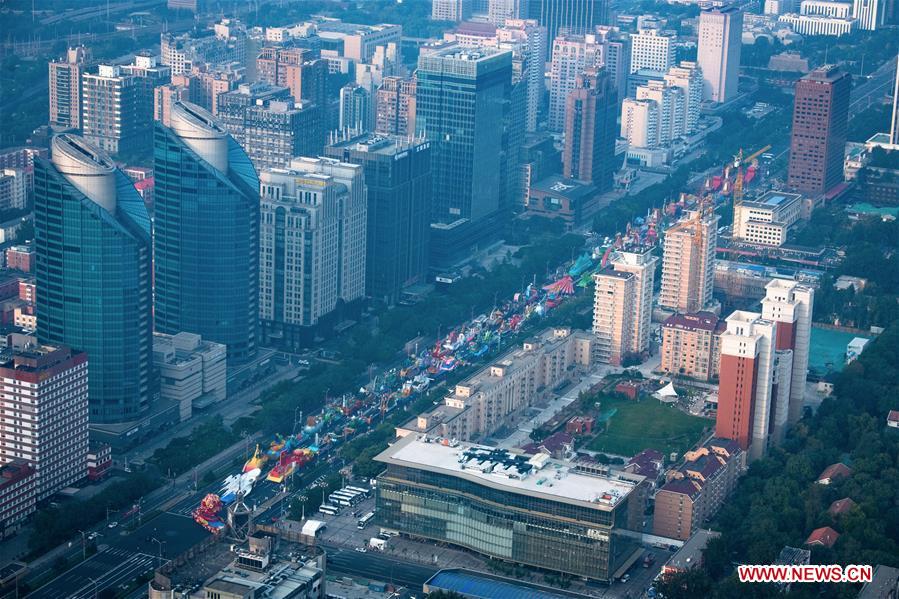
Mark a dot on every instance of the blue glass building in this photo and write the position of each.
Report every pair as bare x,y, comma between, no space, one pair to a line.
92,241
206,233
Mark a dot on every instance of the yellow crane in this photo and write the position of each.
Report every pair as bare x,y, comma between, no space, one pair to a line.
739,161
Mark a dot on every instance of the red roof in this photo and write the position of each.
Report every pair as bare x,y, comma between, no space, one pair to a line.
824,536
835,472
840,506
893,416
145,184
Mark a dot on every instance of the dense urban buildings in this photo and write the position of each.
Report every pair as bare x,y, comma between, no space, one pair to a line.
590,130
18,495
65,88
718,54
93,248
462,98
687,77
45,416
312,247
450,10
571,56
820,123
397,175
110,105
569,200
480,497
696,489
622,308
688,262
275,131
206,233
691,345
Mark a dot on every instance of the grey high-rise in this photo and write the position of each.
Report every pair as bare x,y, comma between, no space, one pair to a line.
206,237
398,180
461,102
573,16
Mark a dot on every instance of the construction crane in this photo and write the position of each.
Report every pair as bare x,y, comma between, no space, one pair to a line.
739,161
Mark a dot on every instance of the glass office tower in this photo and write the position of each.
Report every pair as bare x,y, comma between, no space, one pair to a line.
206,240
92,238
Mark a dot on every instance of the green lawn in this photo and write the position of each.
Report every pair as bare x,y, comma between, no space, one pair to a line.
647,423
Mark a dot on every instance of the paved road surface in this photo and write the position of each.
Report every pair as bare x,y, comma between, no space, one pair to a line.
377,567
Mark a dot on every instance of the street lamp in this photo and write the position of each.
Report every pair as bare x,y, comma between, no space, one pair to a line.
83,546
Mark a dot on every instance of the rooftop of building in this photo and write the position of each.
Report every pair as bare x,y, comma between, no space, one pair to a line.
793,556
564,187
773,199
884,582
825,536
479,584
373,143
825,73
696,321
475,28
683,486
14,471
835,471
690,554
539,476
33,357
615,274
841,506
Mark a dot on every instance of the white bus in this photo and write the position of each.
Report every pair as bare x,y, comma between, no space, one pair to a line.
363,492
364,520
331,510
339,495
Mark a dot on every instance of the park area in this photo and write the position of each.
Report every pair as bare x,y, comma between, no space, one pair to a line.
635,425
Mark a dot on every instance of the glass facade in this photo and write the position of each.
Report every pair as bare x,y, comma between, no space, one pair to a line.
517,527
206,245
461,103
93,272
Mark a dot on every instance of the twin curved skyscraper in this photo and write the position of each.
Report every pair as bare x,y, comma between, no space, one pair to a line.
99,265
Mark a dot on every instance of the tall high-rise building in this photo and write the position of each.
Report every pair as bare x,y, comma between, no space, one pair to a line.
110,104
590,130
65,88
622,307
894,120
870,14
451,10
718,53
652,49
275,131
790,305
616,56
820,123
355,108
312,247
745,391
206,233
45,416
461,102
528,39
298,69
571,56
500,11
640,123
572,16
93,247
398,183
688,78
671,106
233,105
396,107
688,263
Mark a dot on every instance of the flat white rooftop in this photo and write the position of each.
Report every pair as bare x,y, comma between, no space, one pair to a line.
533,476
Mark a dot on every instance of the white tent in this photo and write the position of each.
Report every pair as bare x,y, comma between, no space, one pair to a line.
666,393
312,527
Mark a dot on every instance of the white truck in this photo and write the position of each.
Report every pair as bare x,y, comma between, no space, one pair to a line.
378,544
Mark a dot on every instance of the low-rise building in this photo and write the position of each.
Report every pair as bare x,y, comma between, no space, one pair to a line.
555,515
697,488
822,537
691,345
569,200
99,461
20,257
18,495
768,219
517,379
192,372
833,473
690,555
